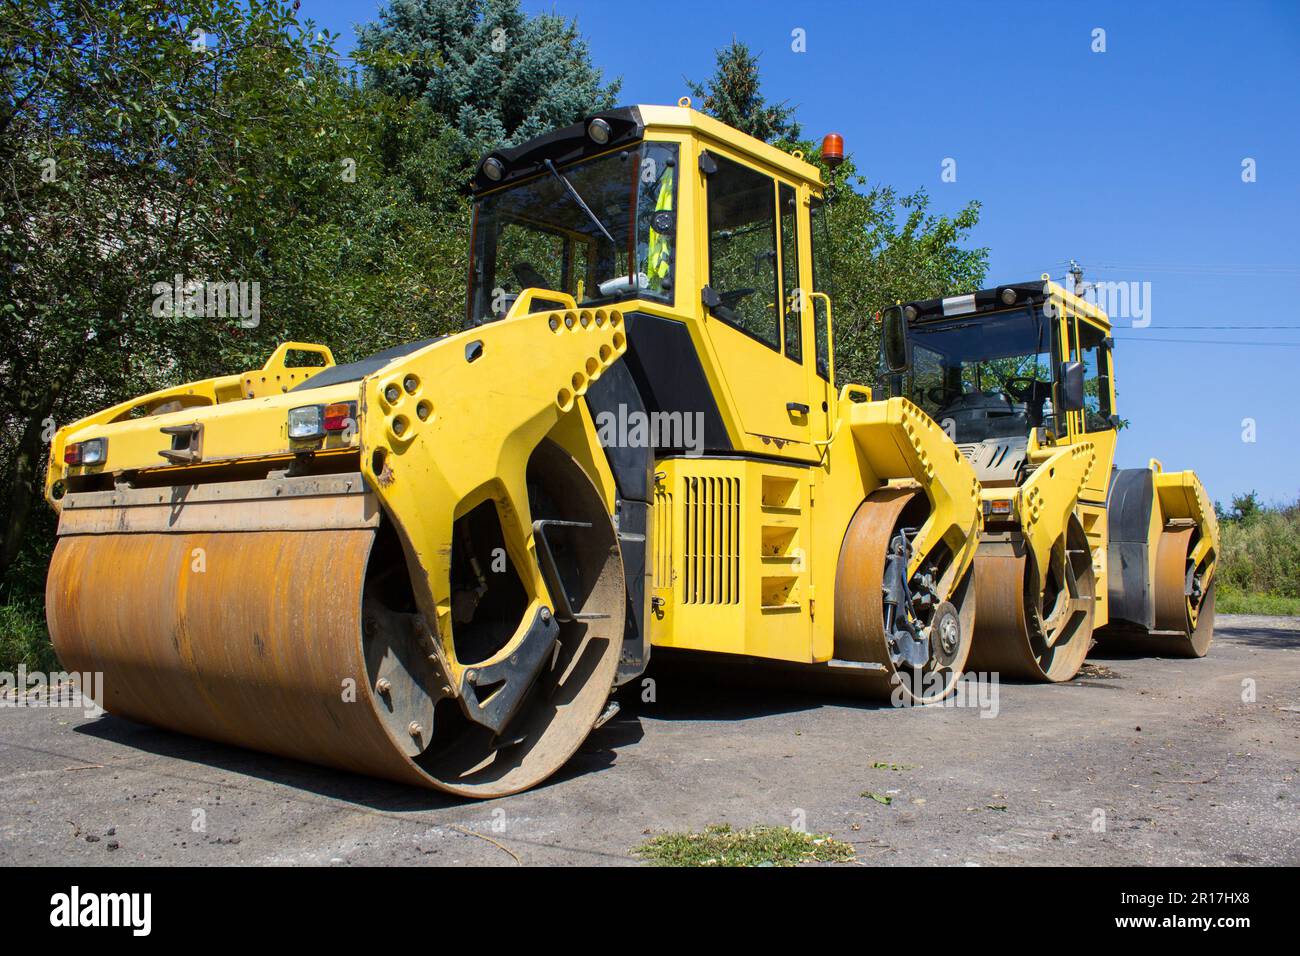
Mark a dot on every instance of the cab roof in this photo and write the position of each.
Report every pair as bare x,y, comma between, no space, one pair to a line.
629,125
991,300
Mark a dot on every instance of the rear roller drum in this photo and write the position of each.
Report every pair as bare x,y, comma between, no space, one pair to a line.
895,638
1034,626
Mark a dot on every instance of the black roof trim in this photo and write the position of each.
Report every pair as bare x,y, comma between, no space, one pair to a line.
986,300
565,145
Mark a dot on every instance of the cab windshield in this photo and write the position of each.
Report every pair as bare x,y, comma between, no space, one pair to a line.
983,376
538,235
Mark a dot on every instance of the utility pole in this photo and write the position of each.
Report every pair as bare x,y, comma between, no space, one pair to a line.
1077,285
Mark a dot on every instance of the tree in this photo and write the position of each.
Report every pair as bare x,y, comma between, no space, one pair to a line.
888,247
218,140
733,95
877,246
1246,508
497,76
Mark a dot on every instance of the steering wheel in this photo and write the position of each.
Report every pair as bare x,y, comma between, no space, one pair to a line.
1023,388
936,394
528,277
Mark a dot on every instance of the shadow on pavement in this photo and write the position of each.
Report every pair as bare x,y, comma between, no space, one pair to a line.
1257,635
595,754
1253,632
726,688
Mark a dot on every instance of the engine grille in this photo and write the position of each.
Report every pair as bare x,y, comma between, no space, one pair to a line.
663,538
711,541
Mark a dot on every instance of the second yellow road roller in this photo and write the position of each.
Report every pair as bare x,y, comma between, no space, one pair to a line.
1073,549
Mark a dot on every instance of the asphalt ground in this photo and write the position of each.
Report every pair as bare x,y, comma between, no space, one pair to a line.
1138,761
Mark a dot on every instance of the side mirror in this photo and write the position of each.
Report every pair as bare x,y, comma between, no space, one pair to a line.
893,340
1071,386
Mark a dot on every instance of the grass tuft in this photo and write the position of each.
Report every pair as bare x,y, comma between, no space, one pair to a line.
720,845
24,640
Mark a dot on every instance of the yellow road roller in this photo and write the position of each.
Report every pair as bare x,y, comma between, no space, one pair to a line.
1073,549
437,563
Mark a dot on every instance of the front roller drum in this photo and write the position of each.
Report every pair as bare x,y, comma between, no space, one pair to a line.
308,644
1182,606
1033,626
872,659
1184,616
247,638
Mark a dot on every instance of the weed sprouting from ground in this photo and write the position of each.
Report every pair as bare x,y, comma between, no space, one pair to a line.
720,845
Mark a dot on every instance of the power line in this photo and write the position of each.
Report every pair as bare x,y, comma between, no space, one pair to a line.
1223,268
1190,328
1145,338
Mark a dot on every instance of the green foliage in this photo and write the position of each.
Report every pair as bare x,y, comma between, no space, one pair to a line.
877,247
495,75
134,149
1230,601
733,94
885,247
1246,509
720,845
23,639
1261,551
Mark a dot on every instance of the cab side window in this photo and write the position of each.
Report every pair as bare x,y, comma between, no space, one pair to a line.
1095,357
656,219
742,250
821,270
788,200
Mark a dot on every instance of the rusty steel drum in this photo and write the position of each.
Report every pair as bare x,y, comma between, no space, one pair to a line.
859,611
275,634
1182,622
247,638
1034,626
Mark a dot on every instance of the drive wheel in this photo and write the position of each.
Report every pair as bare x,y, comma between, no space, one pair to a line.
910,654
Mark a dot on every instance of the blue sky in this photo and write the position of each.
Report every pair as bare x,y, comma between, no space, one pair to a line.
1128,160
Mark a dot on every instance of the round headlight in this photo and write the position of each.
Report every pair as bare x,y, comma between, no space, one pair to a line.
599,131
493,169
1009,296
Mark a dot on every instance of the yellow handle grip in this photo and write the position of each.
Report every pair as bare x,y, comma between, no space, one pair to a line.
278,356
